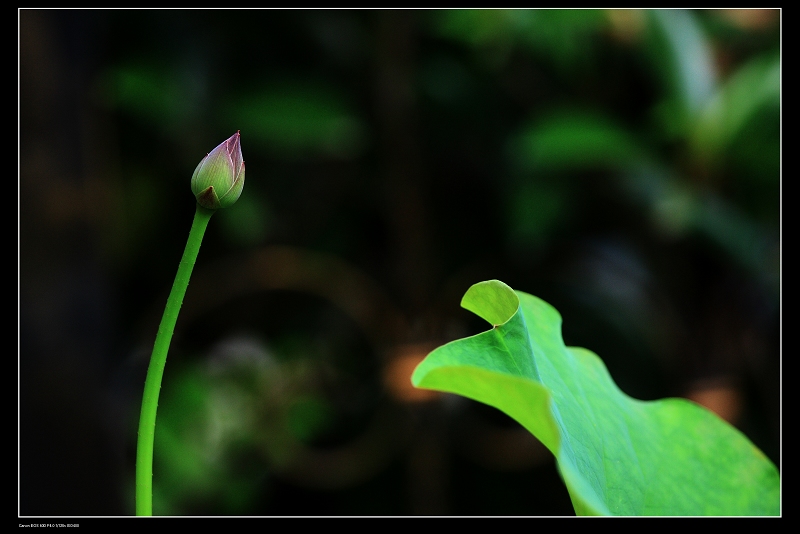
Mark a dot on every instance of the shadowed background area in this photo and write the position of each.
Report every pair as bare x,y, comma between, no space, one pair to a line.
623,165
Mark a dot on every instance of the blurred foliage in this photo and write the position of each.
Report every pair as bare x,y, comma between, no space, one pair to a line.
624,165
299,119
223,422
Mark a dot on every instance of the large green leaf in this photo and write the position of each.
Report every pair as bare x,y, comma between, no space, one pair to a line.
617,455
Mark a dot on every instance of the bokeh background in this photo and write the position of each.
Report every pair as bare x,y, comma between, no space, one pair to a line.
623,165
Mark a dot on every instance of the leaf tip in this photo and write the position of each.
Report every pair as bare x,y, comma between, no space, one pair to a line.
492,300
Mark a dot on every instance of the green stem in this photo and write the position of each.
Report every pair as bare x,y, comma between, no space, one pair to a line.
152,384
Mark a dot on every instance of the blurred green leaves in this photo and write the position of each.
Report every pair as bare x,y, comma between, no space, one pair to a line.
562,36
290,118
163,98
752,90
204,427
700,167
296,119
682,55
228,424
576,140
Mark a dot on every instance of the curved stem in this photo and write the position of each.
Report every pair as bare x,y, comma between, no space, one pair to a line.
155,372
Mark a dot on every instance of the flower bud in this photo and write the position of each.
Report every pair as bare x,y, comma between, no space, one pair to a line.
218,180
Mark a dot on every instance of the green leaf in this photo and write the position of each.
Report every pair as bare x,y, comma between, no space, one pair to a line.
684,56
574,139
295,119
754,89
617,455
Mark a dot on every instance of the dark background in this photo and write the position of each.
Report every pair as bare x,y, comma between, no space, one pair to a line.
622,165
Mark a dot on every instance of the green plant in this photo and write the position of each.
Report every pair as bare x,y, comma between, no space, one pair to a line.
617,455
216,183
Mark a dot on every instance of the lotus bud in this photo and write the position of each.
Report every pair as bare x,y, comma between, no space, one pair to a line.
218,180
